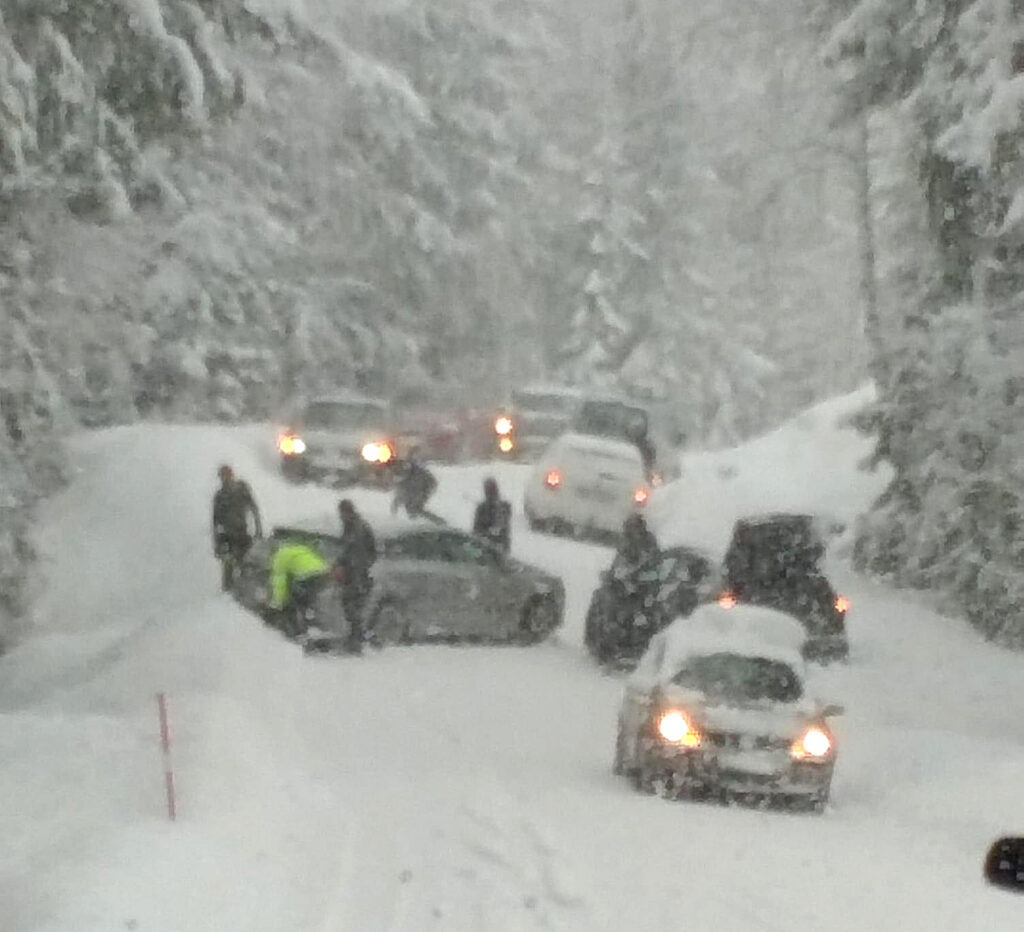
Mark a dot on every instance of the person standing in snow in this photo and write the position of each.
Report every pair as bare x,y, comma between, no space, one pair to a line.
356,559
493,518
637,544
232,504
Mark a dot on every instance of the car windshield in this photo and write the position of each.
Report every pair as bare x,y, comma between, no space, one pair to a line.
773,550
612,419
331,414
544,402
740,678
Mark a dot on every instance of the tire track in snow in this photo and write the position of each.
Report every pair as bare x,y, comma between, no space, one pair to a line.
518,877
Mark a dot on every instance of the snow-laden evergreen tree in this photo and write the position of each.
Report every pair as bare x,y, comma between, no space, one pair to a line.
949,415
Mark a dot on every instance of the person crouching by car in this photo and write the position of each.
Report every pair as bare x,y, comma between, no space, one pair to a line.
298,573
493,518
233,502
355,560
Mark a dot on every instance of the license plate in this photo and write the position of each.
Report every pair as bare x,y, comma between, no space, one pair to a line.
595,493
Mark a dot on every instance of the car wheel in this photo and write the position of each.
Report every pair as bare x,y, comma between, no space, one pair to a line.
390,623
648,781
537,525
538,620
595,634
619,764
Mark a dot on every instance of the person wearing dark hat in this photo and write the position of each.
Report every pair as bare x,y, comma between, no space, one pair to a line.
233,502
355,560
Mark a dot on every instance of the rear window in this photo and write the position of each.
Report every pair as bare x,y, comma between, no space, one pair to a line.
329,414
544,402
612,419
740,678
770,549
622,456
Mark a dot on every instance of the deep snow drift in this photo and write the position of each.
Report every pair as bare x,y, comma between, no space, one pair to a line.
459,788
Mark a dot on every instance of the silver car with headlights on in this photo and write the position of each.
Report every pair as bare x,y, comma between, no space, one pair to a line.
717,707
345,438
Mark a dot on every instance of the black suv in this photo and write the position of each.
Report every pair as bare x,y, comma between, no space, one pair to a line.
635,601
774,561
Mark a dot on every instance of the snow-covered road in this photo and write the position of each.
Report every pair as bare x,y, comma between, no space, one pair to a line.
456,788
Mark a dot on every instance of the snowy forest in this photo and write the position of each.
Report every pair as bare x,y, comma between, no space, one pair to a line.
735,208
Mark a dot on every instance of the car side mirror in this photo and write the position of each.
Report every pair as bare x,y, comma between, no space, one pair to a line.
832,710
1004,864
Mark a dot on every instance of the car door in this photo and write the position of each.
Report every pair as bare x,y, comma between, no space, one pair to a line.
415,572
484,592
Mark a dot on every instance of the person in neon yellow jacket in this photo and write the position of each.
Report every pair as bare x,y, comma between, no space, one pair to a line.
297,574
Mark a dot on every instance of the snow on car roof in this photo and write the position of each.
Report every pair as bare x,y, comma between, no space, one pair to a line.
539,388
743,629
775,517
344,398
384,524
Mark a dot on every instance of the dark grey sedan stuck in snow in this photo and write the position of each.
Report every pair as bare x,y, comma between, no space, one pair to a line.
432,582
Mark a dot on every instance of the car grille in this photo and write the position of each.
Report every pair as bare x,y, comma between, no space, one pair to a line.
739,741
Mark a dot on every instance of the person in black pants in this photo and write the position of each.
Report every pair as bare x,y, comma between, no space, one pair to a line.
232,504
356,559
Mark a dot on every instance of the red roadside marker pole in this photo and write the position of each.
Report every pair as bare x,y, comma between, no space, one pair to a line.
165,745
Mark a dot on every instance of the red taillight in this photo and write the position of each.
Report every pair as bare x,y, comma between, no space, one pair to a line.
842,604
640,496
727,600
553,479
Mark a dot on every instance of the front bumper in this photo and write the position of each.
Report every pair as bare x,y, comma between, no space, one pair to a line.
826,648
767,773
347,470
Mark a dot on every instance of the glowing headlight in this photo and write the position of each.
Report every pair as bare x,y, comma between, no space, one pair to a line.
291,445
378,452
842,604
815,743
640,496
727,600
674,727
503,426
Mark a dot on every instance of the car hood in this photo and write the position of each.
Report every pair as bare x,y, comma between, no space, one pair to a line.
341,438
781,719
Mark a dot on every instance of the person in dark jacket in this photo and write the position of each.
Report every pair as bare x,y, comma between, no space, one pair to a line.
638,544
416,484
355,560
493,518
233,503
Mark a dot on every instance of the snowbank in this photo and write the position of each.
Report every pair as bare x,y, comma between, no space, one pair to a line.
811,464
